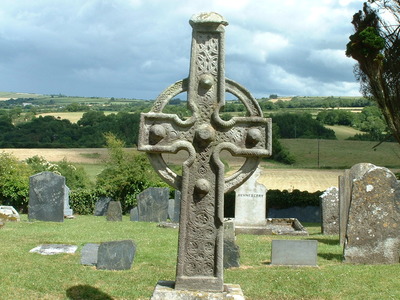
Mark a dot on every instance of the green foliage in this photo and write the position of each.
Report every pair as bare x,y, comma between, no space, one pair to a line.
285,199
301,126
75,176
279,152
14,182
83,201
125,175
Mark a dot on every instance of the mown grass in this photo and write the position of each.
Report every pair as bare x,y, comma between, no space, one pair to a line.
27,275
337,154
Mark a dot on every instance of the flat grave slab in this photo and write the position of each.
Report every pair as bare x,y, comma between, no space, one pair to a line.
294,253
52,249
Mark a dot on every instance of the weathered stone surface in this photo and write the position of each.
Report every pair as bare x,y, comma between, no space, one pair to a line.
101,206
345,194
8,213
174,207
68,212
114,211
52,249
134,214
204,135
250,202
373,228
231,250
89,254
116,255
46,197
278,226
295,253
166,290
153,204
330,211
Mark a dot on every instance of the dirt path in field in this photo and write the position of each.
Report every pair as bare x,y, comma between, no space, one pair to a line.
283,179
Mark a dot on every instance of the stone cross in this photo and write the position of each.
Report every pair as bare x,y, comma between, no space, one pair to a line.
204,135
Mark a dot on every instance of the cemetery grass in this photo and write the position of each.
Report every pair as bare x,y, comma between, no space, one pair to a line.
27,275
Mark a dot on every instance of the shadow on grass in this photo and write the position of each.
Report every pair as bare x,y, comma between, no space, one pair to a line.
334,242
331,256
80,292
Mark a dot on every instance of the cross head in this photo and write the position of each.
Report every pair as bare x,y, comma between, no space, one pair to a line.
204,135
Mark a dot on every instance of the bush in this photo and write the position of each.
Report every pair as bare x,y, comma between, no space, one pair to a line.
83,201
14,182
126,175
75,176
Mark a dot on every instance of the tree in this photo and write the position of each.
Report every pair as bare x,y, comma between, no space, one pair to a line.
376,47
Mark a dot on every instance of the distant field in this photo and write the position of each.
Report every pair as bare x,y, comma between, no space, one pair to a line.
334,155
344,132
338,154
71,116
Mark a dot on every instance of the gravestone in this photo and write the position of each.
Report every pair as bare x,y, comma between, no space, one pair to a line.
68,212
250,204
116,255
153,204
345,194
294,253
46,197
9,213
174,207
204,135
101,206
89,254
52,249
114,211
134,214
373,228
231,250
330,211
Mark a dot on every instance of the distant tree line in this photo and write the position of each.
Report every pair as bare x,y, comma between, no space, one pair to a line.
50,132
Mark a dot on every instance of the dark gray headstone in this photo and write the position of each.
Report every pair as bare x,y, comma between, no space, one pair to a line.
114,211
153,204
116,255
231,250
294,253
177,207
373,228
330,211
89,254
46,197
101,206
134,214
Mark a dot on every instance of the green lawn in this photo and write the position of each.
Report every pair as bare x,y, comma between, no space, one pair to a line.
27,275
337,154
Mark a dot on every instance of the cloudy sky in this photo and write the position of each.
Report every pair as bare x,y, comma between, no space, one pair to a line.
136,48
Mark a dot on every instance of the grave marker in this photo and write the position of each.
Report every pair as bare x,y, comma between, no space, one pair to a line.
294,253
153,204
330,211
46,197
373,229
204,135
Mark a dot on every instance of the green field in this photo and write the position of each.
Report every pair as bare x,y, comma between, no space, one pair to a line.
337,154
27,275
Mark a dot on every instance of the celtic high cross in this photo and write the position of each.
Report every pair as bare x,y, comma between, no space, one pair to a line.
204,135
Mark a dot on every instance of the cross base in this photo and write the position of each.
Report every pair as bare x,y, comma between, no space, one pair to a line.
165,290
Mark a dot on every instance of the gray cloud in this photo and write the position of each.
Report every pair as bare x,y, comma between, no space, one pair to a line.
135,49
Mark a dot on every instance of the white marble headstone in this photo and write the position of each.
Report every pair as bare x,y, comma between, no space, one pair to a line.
250,202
